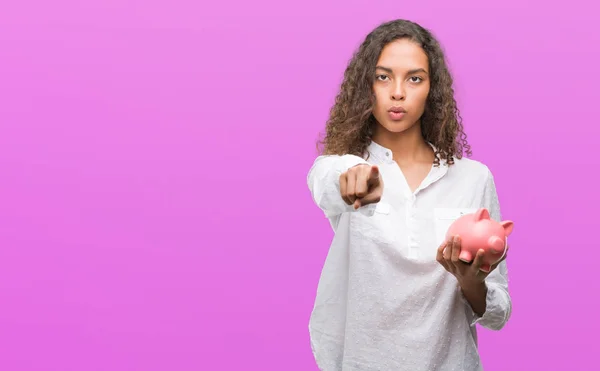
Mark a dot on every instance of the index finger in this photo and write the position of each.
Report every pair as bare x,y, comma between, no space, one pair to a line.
440,250
373,176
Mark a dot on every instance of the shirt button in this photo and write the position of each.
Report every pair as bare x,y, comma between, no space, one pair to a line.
387,154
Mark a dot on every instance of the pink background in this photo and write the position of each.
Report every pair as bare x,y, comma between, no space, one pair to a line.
154,213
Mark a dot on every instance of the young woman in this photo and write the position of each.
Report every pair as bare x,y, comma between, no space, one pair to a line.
393,293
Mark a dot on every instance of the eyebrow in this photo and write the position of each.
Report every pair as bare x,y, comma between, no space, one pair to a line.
389,70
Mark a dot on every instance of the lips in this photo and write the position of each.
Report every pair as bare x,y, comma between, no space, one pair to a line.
396,113
397,110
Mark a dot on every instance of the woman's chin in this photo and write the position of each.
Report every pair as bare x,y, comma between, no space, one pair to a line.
395,127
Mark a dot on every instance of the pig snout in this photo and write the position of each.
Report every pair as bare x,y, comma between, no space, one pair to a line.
496,244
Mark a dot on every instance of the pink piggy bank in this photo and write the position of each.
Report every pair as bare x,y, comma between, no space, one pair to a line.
477,231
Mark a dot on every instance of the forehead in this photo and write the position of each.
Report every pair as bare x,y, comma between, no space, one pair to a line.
401,55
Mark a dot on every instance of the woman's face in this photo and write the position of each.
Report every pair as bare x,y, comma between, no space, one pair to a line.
401,86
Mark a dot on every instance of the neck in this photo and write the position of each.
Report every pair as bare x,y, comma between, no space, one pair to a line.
407,147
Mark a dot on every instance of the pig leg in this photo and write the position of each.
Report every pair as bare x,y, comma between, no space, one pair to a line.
465,256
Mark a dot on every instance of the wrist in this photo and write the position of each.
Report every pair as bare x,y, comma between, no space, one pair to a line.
472,285
475,294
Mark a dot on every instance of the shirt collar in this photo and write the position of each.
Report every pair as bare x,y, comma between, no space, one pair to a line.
381,152
385,154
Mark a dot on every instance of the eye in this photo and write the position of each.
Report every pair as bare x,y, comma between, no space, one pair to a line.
381,77
416,79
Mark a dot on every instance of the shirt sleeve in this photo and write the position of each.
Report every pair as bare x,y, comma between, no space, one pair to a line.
498,301
324,184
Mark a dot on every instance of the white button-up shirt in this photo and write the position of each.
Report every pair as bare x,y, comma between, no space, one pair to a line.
383,301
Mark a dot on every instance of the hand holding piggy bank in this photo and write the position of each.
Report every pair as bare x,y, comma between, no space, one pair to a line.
477,231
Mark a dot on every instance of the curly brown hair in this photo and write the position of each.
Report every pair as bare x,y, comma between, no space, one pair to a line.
351,122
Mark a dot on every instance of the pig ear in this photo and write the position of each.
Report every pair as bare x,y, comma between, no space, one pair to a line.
508,226
482,214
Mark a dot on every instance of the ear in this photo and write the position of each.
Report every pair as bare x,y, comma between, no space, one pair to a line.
482,214
508,226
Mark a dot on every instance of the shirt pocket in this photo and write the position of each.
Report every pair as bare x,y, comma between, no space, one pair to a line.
443,217
379,227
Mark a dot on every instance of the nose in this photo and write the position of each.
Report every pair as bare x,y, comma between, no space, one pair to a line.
398,91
